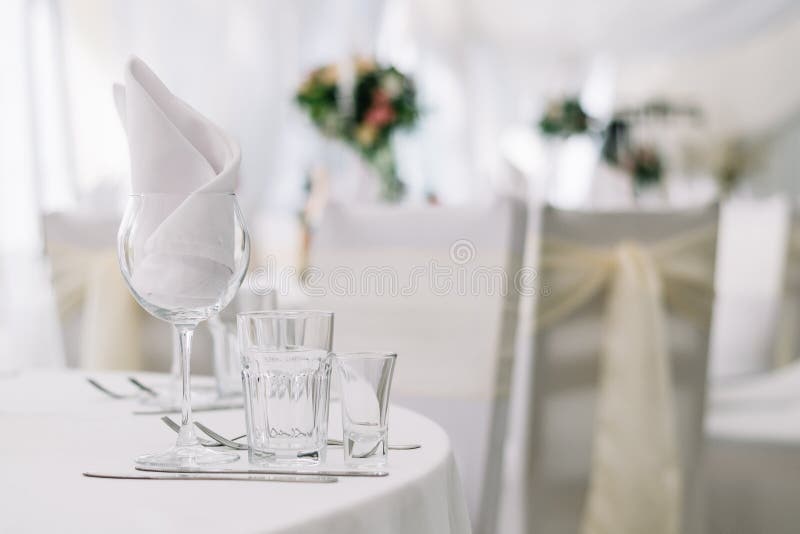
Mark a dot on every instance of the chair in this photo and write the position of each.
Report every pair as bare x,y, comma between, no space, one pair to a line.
787,342
101,325
100,322
578,314
454,332
751,332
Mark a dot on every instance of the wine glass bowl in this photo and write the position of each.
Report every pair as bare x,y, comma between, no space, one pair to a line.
183,258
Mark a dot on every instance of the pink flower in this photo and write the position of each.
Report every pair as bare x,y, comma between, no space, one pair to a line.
381,98
381,112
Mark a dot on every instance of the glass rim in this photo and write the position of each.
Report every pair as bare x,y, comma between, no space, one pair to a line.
283,314
365,355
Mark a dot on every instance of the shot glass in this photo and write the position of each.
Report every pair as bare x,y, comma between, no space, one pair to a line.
286,371
365,379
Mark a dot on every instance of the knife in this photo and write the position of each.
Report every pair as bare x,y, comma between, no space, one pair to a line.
267,471
323,479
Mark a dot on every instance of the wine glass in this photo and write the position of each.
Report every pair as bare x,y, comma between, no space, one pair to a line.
184,258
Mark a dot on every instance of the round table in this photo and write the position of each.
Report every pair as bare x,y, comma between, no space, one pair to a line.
55,426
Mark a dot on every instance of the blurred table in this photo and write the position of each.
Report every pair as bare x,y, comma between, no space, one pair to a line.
753,454
55,426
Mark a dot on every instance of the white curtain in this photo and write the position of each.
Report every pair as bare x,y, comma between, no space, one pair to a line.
240,62
480,67
29,333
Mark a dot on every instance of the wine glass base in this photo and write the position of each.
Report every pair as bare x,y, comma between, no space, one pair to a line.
187,456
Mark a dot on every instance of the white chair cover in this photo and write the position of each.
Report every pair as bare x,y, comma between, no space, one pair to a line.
90,288
750,259
622,339
454,339
787,343
101,325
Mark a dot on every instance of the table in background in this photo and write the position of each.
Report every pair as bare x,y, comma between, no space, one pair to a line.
55,426
753,454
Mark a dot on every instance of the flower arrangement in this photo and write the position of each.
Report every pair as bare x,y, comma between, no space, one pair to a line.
363,111
643,162
564,118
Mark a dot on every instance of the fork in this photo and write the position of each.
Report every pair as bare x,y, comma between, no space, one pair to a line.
231,442
238,446
133,380
393,446
107,391
114,395
204,442
219,441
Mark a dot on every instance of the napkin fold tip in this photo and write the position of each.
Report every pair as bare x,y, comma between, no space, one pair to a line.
148,110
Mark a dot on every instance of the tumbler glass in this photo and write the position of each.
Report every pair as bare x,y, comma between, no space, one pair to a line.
286,370
227,362
365,379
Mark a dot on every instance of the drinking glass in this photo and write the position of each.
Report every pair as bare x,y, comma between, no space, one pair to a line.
227,363
183,258
286,370
365,379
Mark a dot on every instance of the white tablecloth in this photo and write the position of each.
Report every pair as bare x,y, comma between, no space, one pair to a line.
55,426
753,454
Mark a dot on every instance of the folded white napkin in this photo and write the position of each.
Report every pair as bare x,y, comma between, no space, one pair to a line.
187,238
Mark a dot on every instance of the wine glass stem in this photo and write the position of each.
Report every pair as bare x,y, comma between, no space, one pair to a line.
175,369
186,436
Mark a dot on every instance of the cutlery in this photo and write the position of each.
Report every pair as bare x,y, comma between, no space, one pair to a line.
392,446
237,446
176,427
230,442
266,471
107,391
221,439
324,479
141,386
206,443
